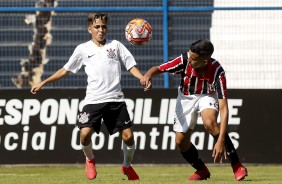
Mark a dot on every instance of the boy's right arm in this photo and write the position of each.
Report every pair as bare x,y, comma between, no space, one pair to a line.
56,76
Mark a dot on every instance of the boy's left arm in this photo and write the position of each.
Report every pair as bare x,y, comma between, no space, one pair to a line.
219,150
223,109
136,72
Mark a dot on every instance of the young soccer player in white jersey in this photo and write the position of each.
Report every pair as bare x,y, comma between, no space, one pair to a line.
202,91
102,60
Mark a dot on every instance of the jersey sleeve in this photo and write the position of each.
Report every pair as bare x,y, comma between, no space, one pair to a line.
125,56
221,86
75,61
175,65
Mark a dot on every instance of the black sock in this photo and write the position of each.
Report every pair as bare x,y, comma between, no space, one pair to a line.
231,152
192,157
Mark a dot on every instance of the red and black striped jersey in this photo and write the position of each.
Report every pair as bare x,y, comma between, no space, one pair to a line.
214,79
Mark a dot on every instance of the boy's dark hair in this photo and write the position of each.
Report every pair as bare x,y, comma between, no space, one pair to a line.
93,16
203,48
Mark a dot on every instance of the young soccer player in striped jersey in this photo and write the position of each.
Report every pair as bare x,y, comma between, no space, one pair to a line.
202,91
102,59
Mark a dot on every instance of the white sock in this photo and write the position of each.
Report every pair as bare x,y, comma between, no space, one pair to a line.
88,152
128,152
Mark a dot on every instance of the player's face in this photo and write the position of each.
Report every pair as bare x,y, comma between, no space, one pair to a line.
196,61
98,30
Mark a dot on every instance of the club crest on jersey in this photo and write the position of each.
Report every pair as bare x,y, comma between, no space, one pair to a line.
83,117
111,53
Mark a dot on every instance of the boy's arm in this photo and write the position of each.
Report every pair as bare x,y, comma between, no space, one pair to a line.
154,71
146,79
219,146
223,109
56,76
136,72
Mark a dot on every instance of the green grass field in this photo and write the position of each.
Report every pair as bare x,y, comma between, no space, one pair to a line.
159,174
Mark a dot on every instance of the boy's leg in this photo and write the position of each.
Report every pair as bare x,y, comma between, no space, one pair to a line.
86,145
190,154
117,119
128,147
209,117
240,172
89,121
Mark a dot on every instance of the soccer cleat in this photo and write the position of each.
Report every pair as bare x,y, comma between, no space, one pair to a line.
202,174
240,172
90,169
129,172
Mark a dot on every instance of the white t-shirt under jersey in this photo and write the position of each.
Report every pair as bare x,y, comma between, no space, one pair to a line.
103,68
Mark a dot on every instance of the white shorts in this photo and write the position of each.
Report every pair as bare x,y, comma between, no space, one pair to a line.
188,108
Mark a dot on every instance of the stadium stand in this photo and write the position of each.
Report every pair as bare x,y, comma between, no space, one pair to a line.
69,29
247,42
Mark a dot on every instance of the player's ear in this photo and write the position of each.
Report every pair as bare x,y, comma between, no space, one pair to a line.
89,30
205,61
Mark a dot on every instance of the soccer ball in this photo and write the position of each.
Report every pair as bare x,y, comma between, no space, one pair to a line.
138,32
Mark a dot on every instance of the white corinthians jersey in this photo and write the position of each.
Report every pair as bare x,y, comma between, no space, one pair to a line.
103,68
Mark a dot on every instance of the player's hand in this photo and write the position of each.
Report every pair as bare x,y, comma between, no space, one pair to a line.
146,82
219,152
36,88
148,87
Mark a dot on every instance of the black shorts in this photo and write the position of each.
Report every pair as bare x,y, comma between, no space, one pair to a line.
114,114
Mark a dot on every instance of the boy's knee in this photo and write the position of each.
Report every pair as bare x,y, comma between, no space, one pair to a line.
212,127
85,136
128,140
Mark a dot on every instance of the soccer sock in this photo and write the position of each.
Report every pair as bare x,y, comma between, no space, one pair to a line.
128,153
87,150
192,157
231,152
